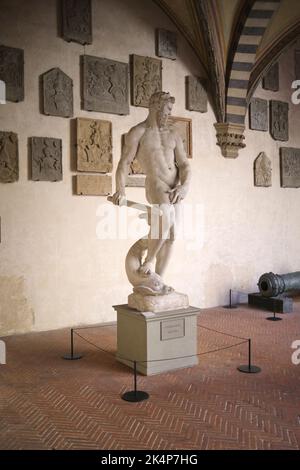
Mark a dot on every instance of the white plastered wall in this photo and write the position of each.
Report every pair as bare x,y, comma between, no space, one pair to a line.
54,270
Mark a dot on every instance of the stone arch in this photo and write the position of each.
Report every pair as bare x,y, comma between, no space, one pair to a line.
244,59
271,55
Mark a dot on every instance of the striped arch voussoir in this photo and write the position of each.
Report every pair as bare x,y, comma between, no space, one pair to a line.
254,28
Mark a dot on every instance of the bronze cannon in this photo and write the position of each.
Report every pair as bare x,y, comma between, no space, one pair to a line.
272,285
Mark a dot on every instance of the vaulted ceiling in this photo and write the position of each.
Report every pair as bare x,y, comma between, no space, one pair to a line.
214,28
236,41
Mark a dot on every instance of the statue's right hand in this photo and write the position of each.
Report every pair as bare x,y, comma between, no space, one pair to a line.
118,198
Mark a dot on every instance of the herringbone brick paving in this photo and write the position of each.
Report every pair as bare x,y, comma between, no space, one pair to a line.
48,403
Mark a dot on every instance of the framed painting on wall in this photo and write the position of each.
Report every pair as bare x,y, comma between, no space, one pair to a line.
184,127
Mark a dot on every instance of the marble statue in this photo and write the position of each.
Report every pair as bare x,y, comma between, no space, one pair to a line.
159,150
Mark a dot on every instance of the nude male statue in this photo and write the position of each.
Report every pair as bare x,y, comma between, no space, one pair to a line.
160,152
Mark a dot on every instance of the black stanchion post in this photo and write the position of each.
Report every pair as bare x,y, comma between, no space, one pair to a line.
72,343
72,356
230,301
135,395
249,368
274,318
135,378
249,354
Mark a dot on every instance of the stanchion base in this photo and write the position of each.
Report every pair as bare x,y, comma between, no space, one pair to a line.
230,306
273,318
247,370
135,396
69,357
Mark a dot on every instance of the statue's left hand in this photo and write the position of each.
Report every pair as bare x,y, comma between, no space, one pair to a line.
177,194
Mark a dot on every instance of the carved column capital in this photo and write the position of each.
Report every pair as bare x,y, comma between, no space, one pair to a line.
230,138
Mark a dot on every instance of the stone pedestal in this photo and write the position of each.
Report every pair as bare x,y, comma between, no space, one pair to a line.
159,342
158,303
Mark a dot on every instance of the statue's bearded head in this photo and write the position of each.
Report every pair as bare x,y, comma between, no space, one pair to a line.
161,103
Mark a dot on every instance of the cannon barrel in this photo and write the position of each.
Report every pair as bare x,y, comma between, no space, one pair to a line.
272,285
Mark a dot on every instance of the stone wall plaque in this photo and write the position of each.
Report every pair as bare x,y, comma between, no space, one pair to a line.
262,171
271,78
9,157
184,128
146,79
258,114
94,145
279,120
135,181
290,167
93,185
196,94
57,93
104,85
12,72
77,21
46,159
297,64
171,329
166,44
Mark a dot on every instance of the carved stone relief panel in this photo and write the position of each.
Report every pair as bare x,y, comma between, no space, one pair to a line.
271,78
46,159
146,79
166,44
258,114
135,181
77,21
196,94
104,85
297,64
263,171
94,145
184,128
57,93
12,72
93,185
9,157
279,120
290,167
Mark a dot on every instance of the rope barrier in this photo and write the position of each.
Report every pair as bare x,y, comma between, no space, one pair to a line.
94,326
92,344
138,395
170,358
221,332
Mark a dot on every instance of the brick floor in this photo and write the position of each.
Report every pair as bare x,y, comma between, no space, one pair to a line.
48,403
